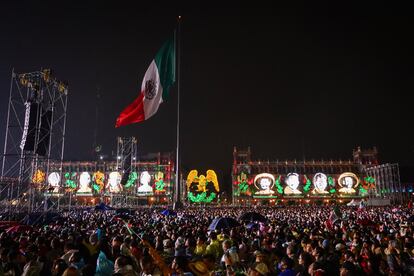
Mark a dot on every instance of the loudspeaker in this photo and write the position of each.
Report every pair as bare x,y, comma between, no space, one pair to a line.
126,165
44,137
125,177
31,123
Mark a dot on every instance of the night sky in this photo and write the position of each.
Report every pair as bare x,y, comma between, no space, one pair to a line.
297,82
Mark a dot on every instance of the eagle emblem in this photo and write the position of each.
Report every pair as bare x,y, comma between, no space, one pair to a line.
150,89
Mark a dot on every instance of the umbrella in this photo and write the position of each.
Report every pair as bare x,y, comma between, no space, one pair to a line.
19,228
223,222
103,207
253,216
168,212
122,217
125,211
104,266
9,222
252,225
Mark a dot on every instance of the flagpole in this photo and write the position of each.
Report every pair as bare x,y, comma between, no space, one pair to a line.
177,194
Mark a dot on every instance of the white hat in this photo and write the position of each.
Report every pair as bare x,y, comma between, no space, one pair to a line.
339,246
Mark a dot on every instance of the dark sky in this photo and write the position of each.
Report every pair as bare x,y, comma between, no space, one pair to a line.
313,81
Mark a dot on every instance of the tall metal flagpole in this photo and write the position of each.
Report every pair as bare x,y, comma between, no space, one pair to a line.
177,194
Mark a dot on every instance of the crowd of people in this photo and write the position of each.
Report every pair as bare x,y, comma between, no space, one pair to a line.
295,240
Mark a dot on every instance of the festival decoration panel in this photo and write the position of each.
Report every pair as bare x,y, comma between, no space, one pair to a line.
39,177
292,182
243,185
368,183
295,185
84,183
132,179
70,180
98,179
200,188
54,180
320,184
114,183
264,184
348,182
145,189
159,185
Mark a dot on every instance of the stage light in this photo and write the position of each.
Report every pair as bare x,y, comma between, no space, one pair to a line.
101,157
62,87
119,157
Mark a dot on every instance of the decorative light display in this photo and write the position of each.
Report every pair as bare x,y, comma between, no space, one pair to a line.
131,180
39,177
242,185
201,197
320,182
362,191
84,183
114,182
70,178
159,182
307,184
264,183
54,179
348,182
202,188
145,189
98,179
331,183
279,187
292,182
368,183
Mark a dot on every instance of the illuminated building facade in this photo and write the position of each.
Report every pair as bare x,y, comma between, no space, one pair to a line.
151,180
310,180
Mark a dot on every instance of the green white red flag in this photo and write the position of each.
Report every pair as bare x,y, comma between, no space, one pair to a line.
155,87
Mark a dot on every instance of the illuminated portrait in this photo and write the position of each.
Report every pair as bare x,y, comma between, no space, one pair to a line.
114,182
144,180
264,183
348,182
292,184
54,180
84,183
320,182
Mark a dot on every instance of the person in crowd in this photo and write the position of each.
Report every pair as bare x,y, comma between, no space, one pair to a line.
294,240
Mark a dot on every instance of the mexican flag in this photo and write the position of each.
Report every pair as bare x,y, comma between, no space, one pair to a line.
155,86
333,217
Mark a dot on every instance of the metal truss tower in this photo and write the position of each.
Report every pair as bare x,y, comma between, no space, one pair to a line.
388,185
126,164
35,136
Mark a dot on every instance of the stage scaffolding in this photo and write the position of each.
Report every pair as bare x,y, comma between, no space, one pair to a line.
388,185
35,135
126,164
